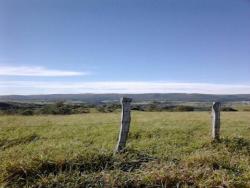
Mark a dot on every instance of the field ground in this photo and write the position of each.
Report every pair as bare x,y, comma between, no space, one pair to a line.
165,149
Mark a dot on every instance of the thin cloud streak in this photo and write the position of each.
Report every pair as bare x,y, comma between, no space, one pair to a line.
36,71
30,87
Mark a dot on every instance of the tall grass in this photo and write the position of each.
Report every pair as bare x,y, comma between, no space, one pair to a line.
164,149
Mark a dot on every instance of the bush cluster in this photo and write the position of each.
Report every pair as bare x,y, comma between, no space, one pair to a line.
59,108
62,108
158,107
108,107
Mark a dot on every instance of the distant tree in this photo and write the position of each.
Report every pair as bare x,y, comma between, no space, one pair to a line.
61,108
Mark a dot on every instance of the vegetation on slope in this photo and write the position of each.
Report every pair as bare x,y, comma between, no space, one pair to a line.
98,98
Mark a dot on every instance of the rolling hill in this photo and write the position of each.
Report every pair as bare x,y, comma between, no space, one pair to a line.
98,98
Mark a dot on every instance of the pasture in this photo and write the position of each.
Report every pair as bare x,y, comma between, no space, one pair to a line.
164,149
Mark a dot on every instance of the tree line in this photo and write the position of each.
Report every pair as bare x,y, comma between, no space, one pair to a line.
64,108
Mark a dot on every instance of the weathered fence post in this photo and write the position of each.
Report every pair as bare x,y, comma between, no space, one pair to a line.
216,121
125,124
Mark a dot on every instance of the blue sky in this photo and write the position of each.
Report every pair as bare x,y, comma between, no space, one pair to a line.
134,46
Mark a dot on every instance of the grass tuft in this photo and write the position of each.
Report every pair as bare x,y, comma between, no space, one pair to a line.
4,144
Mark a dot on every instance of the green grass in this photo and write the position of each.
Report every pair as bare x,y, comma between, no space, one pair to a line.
164,149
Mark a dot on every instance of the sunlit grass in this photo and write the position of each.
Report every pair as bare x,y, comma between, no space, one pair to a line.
164,149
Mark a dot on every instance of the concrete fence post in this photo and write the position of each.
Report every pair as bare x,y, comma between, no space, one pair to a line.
125,124
216,121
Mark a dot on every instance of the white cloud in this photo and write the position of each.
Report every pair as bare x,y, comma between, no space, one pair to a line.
35,71
32,87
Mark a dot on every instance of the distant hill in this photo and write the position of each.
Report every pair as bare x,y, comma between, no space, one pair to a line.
98,98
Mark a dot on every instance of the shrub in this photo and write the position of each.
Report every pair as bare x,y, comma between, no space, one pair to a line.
228,109
27,113
184,108
106,108
57,108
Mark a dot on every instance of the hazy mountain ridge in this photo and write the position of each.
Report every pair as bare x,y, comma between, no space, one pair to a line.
97,98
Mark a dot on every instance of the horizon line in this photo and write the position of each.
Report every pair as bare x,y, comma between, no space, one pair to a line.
121,94
118,87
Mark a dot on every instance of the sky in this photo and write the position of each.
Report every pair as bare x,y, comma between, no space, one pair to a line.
124,46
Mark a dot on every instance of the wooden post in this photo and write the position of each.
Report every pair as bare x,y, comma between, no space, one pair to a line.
125,124
216,121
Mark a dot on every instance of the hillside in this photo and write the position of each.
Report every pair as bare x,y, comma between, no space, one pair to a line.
97,98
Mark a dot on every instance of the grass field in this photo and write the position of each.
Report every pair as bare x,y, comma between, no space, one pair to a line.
164,149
